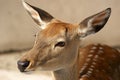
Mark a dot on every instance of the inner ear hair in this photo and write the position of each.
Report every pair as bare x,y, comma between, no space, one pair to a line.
95,22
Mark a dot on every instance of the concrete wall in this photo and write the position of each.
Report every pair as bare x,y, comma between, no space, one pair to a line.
17,28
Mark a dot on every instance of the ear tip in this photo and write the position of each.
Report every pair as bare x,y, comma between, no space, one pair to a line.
108,10
25,3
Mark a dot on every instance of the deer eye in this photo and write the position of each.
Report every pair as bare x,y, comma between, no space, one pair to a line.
60,44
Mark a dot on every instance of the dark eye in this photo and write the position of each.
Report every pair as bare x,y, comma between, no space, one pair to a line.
60,44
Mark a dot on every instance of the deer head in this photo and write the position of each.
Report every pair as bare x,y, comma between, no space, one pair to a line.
56,44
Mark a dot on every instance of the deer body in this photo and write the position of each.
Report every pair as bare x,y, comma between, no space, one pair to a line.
57,46
94,62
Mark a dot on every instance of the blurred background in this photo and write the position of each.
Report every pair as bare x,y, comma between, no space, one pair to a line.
17,29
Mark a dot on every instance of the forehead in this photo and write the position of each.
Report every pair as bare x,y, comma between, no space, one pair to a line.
54,29
57,29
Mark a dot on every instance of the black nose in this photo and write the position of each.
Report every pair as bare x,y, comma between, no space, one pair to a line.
22,65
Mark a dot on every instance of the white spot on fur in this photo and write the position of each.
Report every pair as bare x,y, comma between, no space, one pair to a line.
96,56
92,66
88,59
90,55
89,72
101,48
86,64
94,48
94,63
84,76
90,69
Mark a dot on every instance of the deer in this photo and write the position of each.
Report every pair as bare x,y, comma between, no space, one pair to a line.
57,48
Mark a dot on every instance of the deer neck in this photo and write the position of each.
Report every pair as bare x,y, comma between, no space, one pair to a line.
68,73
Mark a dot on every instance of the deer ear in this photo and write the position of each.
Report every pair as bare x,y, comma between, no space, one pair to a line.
94,23
40,16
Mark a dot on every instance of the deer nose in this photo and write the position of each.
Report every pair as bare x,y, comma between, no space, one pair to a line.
22,65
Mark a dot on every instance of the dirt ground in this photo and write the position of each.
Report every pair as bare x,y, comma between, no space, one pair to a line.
9,71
